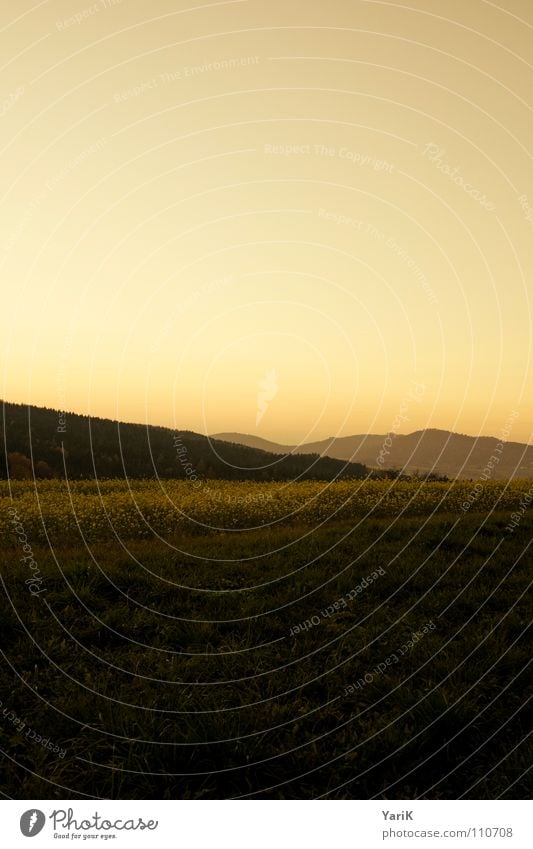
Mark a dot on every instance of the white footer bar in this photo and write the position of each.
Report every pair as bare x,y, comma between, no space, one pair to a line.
268,824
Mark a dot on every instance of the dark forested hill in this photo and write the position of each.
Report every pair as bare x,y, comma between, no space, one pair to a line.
40,442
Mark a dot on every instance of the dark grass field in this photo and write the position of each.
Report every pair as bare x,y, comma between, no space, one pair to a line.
155,674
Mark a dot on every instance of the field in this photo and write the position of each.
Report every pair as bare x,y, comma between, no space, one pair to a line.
224,640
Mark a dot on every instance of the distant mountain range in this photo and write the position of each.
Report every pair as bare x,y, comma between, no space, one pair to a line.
45,443
439,451
40,442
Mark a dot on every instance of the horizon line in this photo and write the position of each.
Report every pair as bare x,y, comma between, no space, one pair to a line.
4,403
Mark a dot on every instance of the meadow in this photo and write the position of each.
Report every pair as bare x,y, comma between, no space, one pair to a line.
364,639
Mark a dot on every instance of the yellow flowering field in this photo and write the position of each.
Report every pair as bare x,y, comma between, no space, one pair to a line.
141,508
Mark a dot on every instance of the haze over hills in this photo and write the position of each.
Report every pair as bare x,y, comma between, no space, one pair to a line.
440,451
46,443
49,443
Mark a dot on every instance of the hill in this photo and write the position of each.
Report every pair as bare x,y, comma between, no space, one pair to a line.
260,443
439,451
45,443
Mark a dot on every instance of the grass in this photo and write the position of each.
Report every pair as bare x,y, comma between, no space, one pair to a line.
166,668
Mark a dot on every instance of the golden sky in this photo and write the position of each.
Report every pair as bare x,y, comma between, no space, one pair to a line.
269,217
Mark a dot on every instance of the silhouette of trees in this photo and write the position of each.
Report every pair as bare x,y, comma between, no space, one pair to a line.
19,466
108,449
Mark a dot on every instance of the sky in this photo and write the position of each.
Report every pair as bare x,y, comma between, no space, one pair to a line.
293,220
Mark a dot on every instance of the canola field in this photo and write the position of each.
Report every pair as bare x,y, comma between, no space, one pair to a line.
144,508
193,640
